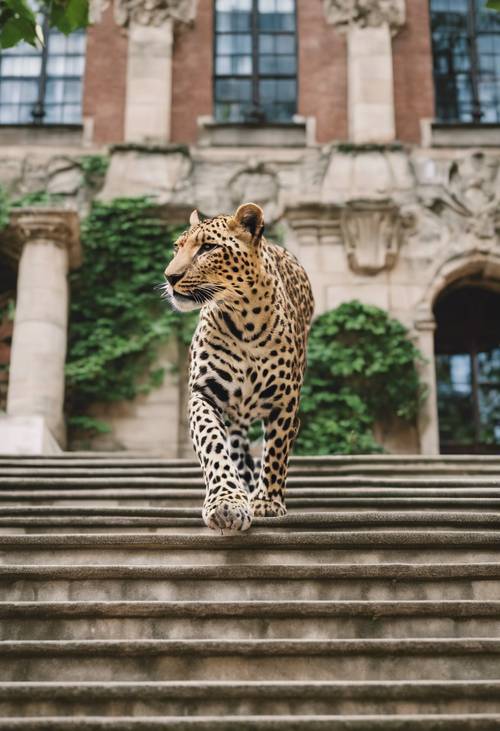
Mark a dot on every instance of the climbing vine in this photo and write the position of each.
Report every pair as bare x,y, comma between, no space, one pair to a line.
361,369
117,318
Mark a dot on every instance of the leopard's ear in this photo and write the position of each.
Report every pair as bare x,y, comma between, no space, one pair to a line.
250,217
194,218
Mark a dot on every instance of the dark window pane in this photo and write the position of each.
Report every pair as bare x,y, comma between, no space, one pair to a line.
460,27
264,58
20,75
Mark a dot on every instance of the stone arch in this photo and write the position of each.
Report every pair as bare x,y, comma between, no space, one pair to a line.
472,266
477,267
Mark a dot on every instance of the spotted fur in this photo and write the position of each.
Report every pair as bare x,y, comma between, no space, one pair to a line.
247,359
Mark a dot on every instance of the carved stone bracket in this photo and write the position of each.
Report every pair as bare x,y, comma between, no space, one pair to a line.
59,226
372,234
469,198
365,13
146,12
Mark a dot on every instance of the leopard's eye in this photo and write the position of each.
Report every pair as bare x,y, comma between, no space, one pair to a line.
206,247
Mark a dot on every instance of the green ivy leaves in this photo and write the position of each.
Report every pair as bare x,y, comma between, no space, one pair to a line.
117,318
361,368
18,22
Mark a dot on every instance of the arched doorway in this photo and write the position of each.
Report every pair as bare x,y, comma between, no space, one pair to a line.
467,352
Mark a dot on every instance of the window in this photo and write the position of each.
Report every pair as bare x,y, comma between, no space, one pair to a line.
43,86
466,49
255,60
468,370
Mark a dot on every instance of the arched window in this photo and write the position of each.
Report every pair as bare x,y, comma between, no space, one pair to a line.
255,61
43,86
466,51
467,345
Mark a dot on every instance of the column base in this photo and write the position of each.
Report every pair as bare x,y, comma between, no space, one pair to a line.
26,435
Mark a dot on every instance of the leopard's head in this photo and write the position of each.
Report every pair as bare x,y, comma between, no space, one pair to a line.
216,259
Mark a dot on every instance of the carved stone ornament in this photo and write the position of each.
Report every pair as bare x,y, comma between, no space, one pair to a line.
470,199
145,12
365,13
57,226
372,235
154,12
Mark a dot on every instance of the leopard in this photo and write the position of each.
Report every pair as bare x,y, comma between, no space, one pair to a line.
247,359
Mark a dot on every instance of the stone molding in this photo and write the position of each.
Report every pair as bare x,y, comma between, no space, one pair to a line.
371,231
365,13
145,12
372,235
55,225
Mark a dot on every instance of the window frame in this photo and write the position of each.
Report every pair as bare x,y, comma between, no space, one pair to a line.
39,107
472,35
255,77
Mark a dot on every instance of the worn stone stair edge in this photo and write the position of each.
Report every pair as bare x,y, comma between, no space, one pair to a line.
295,493
444,722
292,519
393,689
206,540
374,609
134,457
280,647
312,481
413,572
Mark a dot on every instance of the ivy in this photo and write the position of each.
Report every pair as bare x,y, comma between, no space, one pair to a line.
361,368
117,318
4,209
94,168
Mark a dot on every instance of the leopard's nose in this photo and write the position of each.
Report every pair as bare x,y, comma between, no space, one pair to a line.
173,278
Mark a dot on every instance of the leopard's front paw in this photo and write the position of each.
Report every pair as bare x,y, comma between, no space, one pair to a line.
264,508
228,513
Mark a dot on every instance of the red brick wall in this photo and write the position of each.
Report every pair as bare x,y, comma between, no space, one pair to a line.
322,72
192,74
105,79
413,83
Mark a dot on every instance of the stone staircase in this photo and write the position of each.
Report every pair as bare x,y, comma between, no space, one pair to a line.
375,604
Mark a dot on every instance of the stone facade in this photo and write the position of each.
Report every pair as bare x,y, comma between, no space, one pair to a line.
374,211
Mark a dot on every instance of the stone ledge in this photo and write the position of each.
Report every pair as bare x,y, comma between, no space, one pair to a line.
216,134
26,435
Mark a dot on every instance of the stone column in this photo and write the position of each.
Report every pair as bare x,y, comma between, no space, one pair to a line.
151,25
369,25
50,245
428,420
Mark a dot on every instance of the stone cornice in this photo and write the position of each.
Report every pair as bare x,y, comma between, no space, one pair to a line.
146,12
365,13
56,225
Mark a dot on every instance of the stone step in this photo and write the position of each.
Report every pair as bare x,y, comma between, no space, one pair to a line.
88,458
425,722
255,547
193,470
247,619
192,522
256,698
310,582
193,499
285,659
405,482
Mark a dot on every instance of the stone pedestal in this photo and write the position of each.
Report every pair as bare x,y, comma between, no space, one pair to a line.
49,246
151,27
149,82
370,85
369,26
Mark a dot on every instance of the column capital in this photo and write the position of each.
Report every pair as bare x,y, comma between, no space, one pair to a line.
60,226
365,13
146,12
